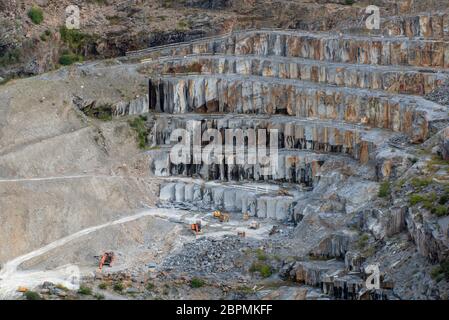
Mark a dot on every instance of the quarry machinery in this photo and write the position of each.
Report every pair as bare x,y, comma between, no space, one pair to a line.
223,217
106,260
196,227
254,225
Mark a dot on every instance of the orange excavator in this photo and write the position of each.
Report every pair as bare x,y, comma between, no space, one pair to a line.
106,260
196,227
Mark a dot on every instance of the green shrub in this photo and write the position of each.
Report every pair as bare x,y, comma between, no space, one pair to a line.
85,291
384,190
69,58
74,39
36,15
349,2
32,295
265,271
263,268
415,199
261,256
197,283
138,124
118,286
103,286
441,211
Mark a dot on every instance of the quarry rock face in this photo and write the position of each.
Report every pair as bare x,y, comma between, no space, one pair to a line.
237,95
445,144
352,184
348,110
391,79
323,47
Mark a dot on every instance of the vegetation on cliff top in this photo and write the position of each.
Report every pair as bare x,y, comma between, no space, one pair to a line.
36,15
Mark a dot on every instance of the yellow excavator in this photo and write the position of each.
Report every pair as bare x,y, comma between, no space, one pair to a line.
223,217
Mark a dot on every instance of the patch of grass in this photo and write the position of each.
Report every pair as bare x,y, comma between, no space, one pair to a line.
183,25
118,286
441,272
103,286
150,286
85,291
138,124
74,39
362,241
11,56
263,268
69,58
45,35
261,256
415,199
36,15
441,211
421,183
197,283
244,289
99,296
32,295
384,190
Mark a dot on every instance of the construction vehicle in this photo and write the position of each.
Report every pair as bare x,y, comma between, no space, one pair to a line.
223,217
106,260
241,234
284,192
196,227
246,216
254,225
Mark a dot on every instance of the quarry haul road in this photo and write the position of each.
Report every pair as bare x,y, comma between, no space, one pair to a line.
55,178
11,278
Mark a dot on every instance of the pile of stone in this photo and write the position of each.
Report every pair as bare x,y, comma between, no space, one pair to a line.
440,95
205,256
